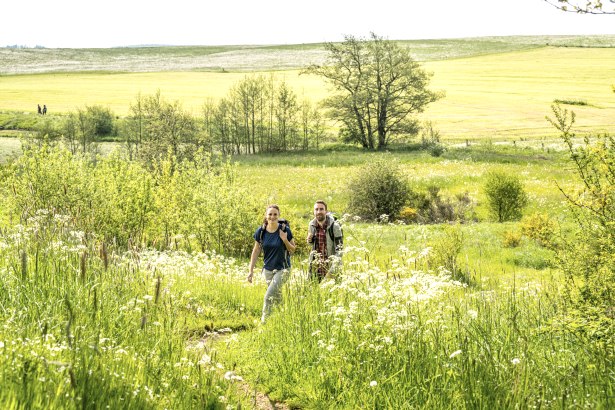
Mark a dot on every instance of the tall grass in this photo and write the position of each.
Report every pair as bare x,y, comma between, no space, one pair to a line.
90,322
410,338
84,327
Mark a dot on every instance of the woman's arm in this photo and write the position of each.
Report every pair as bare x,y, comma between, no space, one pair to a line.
256,250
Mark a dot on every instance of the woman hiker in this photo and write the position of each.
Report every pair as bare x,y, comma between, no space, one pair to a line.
275,239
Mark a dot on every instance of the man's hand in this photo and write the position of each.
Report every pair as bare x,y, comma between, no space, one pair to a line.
250,277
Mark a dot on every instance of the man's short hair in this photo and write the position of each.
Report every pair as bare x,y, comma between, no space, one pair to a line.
320,201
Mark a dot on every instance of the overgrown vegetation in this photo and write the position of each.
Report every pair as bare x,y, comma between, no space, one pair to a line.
200,204
588,259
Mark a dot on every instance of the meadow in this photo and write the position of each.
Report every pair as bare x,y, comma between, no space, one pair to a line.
124,285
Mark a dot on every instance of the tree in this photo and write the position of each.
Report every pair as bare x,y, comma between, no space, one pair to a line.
378,86
584,6
286,108
260,114
157,127
505,196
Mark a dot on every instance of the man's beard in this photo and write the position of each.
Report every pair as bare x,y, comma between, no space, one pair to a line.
320,218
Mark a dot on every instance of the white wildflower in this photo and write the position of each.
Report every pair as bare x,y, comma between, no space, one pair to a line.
206,359
515,361
373,383
455,353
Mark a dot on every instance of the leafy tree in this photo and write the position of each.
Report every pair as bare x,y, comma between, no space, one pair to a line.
260,115
378,87
46,132
285,114
156,127
584,6
505,196
102,120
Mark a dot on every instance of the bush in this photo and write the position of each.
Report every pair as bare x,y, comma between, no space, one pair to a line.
506,197
539,227
378,189
431,207
197,204
102,120
430,140
444,252
589,255
408,214
512,239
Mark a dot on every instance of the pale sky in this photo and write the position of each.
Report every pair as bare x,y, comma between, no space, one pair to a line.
111,23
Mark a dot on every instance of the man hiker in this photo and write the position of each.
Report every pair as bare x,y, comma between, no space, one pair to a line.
325,235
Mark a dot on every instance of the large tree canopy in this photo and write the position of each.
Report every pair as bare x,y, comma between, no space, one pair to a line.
585,6
378,86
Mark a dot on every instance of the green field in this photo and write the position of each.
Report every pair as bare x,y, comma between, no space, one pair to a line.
123,284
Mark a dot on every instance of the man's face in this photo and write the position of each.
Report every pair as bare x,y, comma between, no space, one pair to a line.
320,212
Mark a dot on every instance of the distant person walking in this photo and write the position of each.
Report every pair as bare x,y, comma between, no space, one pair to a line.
44,109
275,240
39,109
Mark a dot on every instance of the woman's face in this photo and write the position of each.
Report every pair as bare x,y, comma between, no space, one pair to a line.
272,214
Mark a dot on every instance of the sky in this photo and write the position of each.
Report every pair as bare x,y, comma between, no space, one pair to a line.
113,23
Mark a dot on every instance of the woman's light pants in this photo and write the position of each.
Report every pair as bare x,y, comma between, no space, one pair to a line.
275,279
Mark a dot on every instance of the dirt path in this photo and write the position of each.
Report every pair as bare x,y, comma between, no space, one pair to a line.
257,399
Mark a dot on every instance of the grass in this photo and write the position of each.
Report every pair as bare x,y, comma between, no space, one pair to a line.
391,332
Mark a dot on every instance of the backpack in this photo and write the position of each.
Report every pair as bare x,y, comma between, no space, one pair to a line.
331,234
282,224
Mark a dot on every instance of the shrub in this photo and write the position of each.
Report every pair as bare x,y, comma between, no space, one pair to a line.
408,214
378,189
512,239
445,249
589,254
433,208
570,101
430,140
506,197
539,227
182,204
102,120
